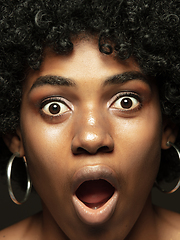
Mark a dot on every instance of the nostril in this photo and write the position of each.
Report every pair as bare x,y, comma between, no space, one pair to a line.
82,144
80,150
103,149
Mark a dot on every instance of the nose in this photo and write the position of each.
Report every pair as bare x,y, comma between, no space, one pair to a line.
92,136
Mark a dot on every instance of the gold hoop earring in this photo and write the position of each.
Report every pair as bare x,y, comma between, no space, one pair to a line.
29,184
178,183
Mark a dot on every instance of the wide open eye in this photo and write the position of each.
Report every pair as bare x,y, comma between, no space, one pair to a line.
126,103
54,108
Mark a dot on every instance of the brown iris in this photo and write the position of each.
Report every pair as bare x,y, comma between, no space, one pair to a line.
54,108
126,103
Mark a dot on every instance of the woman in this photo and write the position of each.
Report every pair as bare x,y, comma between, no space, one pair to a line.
89,99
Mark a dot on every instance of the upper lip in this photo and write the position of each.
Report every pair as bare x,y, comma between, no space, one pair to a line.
94,172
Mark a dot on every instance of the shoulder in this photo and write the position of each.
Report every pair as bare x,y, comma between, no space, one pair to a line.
168,224
23,230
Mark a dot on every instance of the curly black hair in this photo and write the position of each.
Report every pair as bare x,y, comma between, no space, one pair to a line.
148,30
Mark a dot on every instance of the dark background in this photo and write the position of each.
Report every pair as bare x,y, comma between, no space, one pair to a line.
11,213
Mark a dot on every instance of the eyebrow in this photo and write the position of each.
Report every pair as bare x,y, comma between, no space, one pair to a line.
115,79
125,77
52,80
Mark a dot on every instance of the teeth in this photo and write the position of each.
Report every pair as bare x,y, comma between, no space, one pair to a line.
95,207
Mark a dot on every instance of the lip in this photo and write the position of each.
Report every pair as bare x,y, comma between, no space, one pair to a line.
103,213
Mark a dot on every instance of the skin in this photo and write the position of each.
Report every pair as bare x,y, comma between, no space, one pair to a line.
92,130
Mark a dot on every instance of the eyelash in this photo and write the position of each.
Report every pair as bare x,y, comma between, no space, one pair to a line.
60,104
64,106
129,95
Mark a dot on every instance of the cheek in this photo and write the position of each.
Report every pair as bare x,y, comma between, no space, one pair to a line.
46,148
139,147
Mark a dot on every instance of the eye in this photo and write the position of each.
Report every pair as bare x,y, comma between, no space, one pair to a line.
127,103
54,108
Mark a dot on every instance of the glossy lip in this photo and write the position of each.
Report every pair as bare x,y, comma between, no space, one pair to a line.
103,213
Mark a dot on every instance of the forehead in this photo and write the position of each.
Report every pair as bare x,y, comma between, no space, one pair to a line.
85,61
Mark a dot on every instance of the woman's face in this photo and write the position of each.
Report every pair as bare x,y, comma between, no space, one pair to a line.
91,128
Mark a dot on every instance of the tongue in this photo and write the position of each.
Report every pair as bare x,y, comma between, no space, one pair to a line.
95,191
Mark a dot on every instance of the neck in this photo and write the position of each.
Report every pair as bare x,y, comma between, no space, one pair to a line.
50,229
146,225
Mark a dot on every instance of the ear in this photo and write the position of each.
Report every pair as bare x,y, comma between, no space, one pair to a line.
14,142
169,133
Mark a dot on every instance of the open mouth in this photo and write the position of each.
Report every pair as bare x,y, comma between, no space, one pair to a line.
95,193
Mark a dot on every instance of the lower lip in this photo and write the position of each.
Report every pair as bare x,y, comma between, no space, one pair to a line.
95,216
